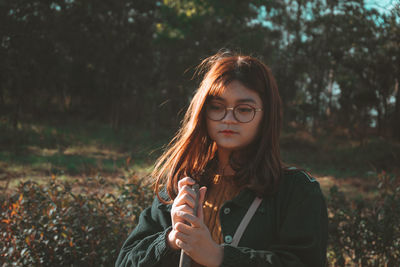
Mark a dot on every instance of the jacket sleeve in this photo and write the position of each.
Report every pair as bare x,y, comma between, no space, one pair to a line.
147,244
302,235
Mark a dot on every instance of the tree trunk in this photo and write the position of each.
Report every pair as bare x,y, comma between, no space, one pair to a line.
379,117
2,104
396,117
319,82
115,115
330,89
18,105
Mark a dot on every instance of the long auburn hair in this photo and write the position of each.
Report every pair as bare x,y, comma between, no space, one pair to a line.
192,151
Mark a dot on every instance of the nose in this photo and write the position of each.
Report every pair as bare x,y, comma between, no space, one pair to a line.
229,117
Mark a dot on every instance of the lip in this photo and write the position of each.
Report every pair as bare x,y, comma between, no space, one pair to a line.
228,132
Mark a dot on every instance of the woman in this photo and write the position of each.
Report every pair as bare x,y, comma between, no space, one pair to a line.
229,145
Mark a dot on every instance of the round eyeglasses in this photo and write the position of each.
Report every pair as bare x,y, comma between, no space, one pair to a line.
242,113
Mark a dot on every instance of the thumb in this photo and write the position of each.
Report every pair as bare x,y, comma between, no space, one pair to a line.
202,197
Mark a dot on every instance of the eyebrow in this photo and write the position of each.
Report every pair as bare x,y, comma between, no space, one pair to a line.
243,100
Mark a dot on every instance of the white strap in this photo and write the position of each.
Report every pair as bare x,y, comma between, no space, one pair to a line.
245,221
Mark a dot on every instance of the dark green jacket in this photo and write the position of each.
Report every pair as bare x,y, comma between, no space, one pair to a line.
288,229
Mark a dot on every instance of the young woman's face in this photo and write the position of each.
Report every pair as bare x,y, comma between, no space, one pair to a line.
229,133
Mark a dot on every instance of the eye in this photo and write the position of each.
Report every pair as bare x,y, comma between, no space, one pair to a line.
215,107
244,109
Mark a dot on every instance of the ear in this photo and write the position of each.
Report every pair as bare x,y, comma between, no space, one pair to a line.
202,197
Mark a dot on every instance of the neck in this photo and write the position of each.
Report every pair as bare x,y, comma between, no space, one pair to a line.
224,167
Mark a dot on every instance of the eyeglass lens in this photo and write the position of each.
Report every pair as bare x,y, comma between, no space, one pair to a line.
242,112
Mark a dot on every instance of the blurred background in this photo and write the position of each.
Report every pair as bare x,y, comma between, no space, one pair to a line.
90,91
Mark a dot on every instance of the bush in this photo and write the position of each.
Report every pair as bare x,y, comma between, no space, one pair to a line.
366,232
52,226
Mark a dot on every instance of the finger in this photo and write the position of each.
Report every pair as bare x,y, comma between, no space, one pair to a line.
172,236
178,238
184,246
185,181
184,208
183,228
182,236
182,241
184,199
202,197
193,220
187,189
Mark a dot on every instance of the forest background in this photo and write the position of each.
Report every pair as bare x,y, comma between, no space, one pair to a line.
90,91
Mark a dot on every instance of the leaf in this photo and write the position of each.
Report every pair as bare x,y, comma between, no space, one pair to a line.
128,160
15,206
23,251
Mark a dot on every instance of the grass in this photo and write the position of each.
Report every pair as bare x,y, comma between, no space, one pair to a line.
75,151
327,156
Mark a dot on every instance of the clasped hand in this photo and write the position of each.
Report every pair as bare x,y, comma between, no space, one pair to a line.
188,230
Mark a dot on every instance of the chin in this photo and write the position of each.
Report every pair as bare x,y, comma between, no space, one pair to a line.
230,147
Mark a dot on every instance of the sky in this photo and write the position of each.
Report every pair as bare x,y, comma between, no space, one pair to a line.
383,6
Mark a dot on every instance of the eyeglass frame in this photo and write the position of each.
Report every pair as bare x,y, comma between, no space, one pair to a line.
233,112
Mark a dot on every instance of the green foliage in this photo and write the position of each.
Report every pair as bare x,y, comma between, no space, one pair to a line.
49,225
122,62
52,226
366,232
